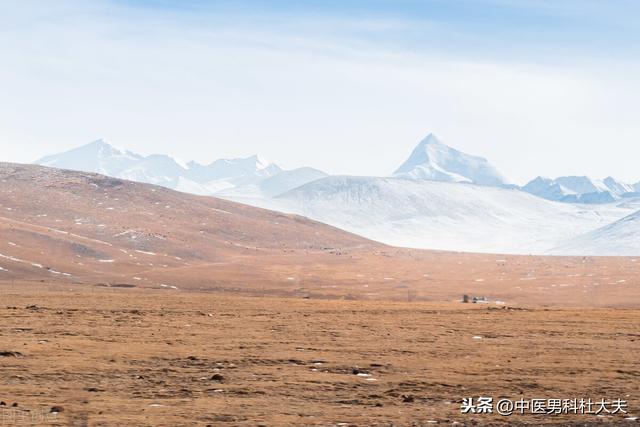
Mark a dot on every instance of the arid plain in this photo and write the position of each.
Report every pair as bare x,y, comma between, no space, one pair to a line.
129,304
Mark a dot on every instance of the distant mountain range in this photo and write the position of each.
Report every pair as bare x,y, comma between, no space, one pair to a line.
222,175
581,189
439,198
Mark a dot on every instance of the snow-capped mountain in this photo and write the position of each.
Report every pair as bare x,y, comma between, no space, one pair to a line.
433,160
621,238
439,215
98,156
247,174
579,189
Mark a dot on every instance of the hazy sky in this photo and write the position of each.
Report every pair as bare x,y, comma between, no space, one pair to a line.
539,87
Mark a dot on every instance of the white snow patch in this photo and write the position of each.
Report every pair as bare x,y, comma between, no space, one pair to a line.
144,252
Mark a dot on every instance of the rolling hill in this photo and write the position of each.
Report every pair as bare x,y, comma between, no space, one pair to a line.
620,238
62,224
444,216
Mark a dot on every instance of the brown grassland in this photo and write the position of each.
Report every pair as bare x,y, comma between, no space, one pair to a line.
140,357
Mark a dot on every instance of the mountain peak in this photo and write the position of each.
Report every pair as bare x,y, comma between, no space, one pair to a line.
430,139
436,161
103,148
100,142
97,156
260,162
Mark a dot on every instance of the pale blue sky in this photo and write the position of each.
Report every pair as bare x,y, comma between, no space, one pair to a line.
538,87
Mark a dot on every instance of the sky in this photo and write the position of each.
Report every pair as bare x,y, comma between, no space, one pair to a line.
539,87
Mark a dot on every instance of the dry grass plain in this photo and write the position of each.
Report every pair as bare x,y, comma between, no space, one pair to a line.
131,357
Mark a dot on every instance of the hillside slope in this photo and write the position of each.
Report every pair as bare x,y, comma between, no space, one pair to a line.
620,238
445,216
65,224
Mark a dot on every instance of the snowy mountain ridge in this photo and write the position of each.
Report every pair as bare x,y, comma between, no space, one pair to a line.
221,175
580,189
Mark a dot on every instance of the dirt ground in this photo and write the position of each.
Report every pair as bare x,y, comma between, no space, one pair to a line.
135,357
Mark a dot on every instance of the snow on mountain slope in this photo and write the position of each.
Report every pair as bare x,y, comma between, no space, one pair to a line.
185,185
581,184
622,238
616,187
237,171
272,186
433,160
447,216
97,156
155,169
288,180
578,189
